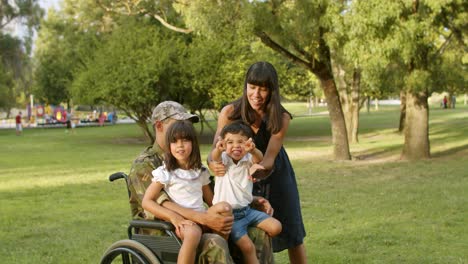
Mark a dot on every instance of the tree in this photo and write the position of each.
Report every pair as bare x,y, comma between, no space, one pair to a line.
413,35
15,63
295,29
135,67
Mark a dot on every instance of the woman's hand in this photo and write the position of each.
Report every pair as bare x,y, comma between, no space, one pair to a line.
262,204
217,167
254,170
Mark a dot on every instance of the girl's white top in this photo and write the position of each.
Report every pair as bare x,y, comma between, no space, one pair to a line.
234,187
184,187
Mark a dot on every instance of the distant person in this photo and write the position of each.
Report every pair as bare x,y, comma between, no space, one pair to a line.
19,125
445,100
102,118
68,120
236,150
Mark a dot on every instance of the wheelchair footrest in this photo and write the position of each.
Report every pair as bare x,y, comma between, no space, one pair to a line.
165,247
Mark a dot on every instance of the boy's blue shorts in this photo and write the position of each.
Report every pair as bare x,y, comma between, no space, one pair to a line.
243,218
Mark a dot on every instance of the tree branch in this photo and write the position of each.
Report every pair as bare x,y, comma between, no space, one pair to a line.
171,27
276,47
143,11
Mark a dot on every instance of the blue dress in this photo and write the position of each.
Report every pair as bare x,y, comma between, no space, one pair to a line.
280,189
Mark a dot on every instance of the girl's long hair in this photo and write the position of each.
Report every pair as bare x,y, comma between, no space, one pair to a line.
182,130
262,74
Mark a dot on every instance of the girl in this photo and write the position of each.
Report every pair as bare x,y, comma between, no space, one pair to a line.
186,181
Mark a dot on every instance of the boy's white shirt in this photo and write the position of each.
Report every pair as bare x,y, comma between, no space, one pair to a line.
184,187
234,187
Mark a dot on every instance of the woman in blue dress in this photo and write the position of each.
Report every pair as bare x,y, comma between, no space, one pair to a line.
260,107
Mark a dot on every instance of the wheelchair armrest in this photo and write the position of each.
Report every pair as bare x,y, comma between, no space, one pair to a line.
153,224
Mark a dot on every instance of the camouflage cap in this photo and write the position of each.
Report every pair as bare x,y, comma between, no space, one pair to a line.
174,110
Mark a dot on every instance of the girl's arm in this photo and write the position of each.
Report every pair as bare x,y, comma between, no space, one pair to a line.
149,204
215,221
275,143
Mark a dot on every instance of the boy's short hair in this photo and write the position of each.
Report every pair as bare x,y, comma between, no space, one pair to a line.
237,127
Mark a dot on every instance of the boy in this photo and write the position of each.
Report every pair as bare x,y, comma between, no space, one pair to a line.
237,152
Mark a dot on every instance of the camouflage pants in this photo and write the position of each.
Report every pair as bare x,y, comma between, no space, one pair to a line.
213,249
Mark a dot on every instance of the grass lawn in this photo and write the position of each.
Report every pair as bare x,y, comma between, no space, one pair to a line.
57,205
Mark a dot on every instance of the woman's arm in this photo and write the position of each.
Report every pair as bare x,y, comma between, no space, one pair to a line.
207,194
275,143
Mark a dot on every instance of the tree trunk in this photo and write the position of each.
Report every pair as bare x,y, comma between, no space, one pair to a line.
322,69
368,104
401,127
338,126
416,144
345,98
146,131
354,107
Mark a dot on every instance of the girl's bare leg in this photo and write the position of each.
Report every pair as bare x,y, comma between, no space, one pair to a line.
191,235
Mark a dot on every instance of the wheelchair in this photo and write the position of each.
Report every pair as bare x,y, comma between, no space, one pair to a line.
143,248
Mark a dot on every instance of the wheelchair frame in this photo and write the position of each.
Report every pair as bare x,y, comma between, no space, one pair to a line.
142,248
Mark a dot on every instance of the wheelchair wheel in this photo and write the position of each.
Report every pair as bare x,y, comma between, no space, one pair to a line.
129,252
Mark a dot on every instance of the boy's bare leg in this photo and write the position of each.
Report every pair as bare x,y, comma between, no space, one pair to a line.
270,225
248,250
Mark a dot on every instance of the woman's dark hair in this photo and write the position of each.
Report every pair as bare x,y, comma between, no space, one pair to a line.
237,127
262,74
182,130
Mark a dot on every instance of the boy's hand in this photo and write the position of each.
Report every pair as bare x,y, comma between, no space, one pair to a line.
220,145
249,145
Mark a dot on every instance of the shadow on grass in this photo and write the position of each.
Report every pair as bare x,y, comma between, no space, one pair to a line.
451,151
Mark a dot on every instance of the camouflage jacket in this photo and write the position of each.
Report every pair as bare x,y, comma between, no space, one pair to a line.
140,177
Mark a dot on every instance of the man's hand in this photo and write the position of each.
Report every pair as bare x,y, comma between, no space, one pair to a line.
219,219
262,204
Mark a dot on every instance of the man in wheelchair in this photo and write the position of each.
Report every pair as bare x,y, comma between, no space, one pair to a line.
213,248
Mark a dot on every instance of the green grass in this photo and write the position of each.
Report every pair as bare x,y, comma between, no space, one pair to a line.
57,205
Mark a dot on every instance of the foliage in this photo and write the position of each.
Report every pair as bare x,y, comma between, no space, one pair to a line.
7,97
15,79
135,67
